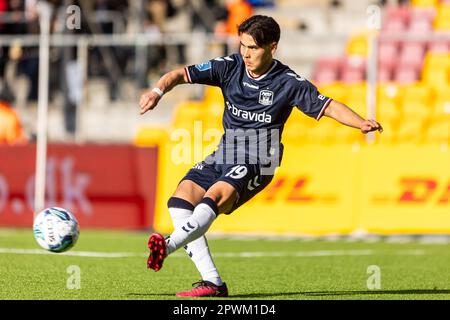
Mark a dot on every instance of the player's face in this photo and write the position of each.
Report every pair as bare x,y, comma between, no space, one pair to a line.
257,59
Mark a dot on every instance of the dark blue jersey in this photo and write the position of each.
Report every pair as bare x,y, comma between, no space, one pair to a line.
258,103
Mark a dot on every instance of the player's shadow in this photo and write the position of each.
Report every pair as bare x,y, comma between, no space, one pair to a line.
268,295
343,293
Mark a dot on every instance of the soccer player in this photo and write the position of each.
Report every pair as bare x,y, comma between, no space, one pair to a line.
260,93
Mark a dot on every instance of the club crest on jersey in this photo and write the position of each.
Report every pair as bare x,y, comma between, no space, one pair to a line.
265,97
203,66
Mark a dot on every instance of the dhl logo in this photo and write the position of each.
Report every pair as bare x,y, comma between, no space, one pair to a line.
421,190
418,190
294,189
413,190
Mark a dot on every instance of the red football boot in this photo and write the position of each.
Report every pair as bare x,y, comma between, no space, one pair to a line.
205,289
157,246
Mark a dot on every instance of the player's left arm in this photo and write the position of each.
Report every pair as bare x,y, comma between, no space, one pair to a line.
343,114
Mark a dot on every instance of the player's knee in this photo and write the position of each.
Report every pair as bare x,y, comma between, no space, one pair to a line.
189,191
180,203
223,201
223,194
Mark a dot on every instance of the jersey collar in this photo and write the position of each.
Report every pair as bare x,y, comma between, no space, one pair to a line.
264,74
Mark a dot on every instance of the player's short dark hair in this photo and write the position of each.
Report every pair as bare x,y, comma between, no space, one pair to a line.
264,30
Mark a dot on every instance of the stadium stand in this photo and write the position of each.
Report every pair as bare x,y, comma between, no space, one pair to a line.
312,44
413,73
413,79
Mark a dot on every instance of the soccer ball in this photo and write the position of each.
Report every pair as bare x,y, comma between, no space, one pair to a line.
56,229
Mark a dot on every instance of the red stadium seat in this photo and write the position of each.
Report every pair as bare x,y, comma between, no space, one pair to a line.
400,13
394,27
442,46
420,26
384,74
334,63
327,70
406,75
353,69
325,76
387,54
351,75
412,54
354,62
428,13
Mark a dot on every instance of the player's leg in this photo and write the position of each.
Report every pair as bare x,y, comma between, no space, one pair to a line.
181,206
236,185
184,199
218,198
189,191
238,182
188,194
182,203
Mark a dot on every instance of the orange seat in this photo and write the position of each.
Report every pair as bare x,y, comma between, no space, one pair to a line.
436,77
436,69
424,3
436,60
356,98
411,130
389,134
417,101
438,131
358,45
150,136
442,20
388,102
187,113
213,95
336,91
442,103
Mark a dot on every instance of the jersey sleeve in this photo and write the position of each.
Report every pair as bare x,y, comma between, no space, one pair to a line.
213,72
309,100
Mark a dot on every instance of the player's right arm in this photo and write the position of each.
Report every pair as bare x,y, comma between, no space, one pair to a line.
167,82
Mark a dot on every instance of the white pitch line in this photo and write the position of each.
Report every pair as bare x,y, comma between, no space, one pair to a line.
91,254
254,254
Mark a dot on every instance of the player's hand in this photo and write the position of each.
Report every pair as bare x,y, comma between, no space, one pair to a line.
148,101
370,125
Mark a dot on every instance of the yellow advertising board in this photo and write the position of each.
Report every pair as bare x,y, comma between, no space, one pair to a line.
311,193
333,189
405,189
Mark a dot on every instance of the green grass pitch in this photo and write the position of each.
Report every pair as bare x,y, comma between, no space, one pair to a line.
112,265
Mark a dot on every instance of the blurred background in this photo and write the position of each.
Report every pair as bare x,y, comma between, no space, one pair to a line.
388,60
